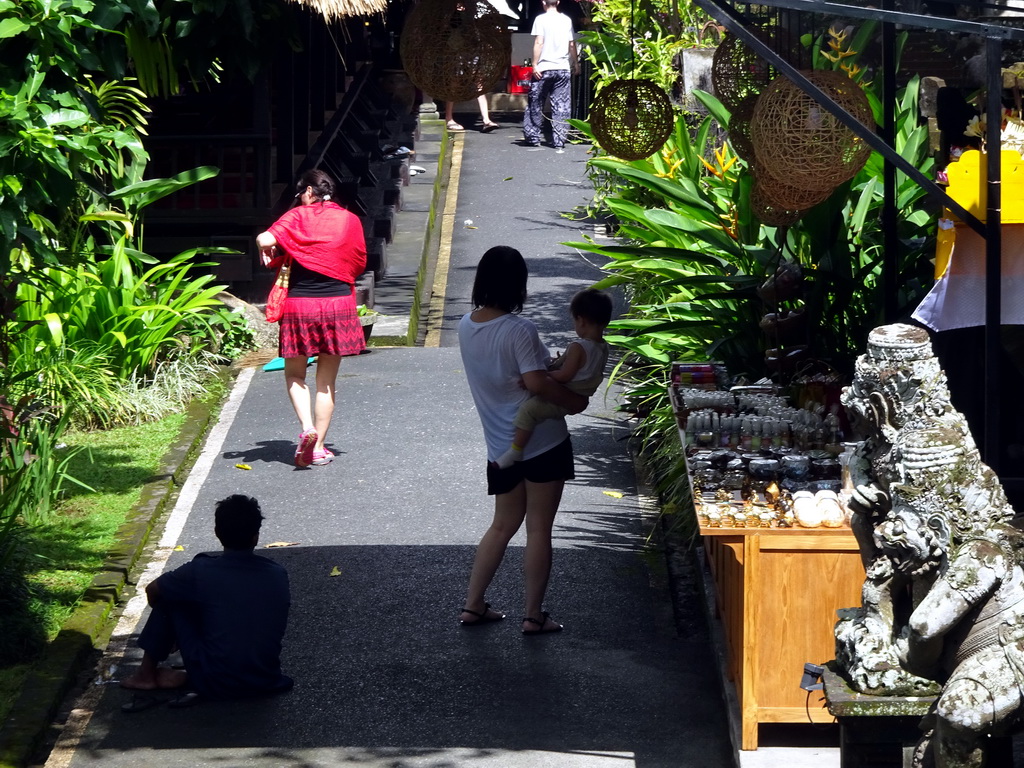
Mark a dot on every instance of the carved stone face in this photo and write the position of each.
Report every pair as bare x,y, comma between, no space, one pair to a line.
914,547
856,399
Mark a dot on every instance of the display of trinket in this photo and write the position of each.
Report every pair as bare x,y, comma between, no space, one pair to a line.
805,509
832,513
766,463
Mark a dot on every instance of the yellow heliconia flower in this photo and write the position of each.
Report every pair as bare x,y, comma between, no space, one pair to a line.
720,155
732,223
723,165
711,168
850,69
671,172
837,34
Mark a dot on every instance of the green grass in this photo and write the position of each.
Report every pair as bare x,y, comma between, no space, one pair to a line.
67,552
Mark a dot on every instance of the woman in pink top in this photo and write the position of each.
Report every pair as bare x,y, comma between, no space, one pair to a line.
328,253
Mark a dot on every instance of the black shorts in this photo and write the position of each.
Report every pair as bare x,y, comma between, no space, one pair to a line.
552,465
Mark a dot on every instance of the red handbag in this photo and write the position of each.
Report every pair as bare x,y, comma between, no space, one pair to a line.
275,301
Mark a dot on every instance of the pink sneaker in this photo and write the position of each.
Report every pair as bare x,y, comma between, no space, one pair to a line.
304,453
321,458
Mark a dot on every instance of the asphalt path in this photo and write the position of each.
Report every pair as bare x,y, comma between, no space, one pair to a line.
380,546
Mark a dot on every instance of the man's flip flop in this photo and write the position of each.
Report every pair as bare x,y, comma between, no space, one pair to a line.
184,701
481,618
540,625
142,701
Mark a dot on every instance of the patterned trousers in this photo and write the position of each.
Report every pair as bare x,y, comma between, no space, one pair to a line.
556,83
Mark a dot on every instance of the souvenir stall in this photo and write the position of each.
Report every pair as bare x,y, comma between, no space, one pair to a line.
767,475
768,487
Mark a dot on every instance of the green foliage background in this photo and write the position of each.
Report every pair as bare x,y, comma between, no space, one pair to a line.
690,254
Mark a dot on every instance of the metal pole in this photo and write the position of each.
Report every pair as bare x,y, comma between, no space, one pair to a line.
993,252
890,234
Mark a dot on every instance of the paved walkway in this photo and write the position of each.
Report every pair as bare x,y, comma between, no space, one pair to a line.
383,541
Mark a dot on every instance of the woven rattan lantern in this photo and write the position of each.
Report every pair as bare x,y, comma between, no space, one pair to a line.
796,140
738,73
769,213
778,204
784,195
631,119
739,129
455,49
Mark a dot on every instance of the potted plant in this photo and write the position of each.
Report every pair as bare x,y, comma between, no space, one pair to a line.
367,317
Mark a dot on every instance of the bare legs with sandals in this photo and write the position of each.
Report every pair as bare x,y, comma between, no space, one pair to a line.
485,116
314,418
536,504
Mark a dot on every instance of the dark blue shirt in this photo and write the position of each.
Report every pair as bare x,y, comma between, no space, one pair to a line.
238,603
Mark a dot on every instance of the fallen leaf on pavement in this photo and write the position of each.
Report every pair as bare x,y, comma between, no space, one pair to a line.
335,571
243,466
273,544
613,494
179,548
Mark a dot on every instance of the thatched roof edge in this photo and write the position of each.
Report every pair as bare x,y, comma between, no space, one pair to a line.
340,9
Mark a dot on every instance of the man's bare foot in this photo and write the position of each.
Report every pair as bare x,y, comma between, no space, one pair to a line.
171,678
159,679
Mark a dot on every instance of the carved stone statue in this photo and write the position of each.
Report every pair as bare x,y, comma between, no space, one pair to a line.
943,598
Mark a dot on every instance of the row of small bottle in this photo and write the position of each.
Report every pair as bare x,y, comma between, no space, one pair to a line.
709,429
699,399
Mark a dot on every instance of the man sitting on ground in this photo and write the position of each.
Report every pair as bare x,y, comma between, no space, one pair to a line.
226,612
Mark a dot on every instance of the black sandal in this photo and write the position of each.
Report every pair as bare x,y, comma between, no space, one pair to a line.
481,618
541,622
143,700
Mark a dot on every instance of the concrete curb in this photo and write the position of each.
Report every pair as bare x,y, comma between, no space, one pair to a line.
88,628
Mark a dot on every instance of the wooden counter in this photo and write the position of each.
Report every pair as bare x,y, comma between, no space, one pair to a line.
777,591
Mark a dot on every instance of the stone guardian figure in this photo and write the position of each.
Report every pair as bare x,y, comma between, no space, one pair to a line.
943,598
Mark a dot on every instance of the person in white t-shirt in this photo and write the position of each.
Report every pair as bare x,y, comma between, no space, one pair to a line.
505,364
554,58
581,368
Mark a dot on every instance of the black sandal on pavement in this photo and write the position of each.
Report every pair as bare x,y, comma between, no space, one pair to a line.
541,623
489,126
185,700
481,618
143,700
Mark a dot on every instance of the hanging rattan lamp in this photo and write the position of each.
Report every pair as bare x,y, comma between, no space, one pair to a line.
739,129
455,50
779,204
631,119
738,73
798,141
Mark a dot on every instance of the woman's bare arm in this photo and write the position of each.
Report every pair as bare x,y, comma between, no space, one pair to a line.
541,384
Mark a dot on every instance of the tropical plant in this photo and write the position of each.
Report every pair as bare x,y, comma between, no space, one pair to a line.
691,255
56,151
134,315
33,469
641,39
